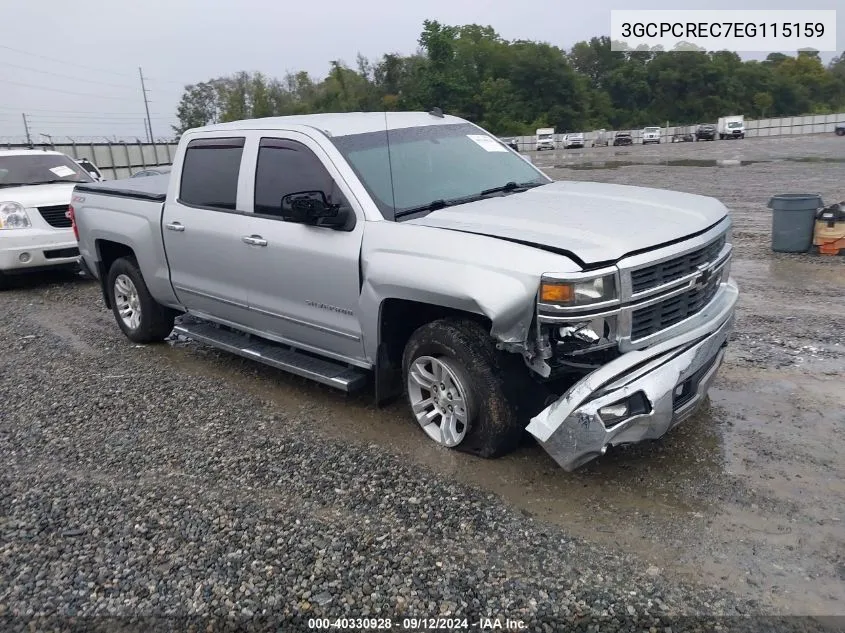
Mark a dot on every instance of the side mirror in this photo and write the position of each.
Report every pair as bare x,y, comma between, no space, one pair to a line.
313,208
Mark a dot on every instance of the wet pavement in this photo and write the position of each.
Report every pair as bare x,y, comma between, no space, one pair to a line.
748,495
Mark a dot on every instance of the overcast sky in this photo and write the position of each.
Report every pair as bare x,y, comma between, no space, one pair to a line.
53,48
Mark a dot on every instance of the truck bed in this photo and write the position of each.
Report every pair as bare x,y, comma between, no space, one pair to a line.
148,188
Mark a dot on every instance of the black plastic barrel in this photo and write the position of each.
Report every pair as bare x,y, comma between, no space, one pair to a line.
793,221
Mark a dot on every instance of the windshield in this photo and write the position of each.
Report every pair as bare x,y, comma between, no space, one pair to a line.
432,163
36,169
544,136
651,130
734,124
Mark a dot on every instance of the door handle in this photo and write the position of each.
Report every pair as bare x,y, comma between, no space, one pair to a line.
175,226
254,240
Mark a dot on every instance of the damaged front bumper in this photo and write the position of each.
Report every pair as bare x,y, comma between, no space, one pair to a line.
642,394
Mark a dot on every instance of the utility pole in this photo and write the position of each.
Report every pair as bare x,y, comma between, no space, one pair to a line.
26,127
149,129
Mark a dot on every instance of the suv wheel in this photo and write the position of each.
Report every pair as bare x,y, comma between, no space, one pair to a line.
142,318
459,388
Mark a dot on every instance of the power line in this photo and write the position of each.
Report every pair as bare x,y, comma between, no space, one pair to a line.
20,108
140,121
58,120
73,117
64,61
100,70
69,92
47,72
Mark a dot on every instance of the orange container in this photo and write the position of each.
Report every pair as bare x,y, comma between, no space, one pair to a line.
829,231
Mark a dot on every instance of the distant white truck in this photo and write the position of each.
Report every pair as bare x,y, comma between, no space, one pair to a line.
651,135
732,126
545,138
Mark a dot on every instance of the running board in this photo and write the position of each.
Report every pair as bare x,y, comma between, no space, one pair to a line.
328,372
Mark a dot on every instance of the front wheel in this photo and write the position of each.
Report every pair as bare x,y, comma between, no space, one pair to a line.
461,388
142,318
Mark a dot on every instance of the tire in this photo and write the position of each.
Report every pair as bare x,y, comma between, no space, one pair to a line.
840,131
489,379
148,321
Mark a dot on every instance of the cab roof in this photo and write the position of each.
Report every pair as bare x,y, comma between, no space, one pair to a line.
337,124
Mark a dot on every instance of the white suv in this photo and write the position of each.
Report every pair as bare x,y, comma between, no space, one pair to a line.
35,228
573,140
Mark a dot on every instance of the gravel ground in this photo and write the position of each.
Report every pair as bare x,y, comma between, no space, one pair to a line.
172,481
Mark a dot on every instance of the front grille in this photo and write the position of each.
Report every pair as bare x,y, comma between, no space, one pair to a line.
675,268
55,216
650,320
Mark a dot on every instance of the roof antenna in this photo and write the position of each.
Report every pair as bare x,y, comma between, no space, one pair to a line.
436,112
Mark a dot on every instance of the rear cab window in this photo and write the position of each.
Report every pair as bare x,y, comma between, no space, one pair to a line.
210,172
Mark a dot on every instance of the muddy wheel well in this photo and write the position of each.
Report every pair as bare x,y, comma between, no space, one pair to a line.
110,252
398,319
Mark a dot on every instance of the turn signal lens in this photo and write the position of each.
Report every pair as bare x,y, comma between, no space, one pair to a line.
578,293
556,293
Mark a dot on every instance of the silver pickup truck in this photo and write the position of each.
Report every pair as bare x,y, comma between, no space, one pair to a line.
419,251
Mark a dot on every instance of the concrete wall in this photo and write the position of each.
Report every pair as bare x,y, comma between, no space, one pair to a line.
115,160
811,124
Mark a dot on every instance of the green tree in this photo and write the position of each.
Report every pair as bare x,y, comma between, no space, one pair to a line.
513,87
763,102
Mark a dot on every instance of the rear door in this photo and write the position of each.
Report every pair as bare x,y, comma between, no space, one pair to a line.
304,281
200,226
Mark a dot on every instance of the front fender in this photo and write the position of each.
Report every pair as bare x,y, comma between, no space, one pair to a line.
472,273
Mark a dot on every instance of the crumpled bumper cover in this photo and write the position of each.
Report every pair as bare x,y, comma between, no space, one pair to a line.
673,377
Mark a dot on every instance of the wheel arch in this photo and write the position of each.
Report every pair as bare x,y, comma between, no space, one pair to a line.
108,252
398,319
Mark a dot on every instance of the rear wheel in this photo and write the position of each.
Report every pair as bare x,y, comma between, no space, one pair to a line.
462,390
142,318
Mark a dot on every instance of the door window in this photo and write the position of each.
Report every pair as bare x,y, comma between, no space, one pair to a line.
286,167
210,173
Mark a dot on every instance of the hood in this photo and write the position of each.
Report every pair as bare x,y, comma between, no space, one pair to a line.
39,195
596,222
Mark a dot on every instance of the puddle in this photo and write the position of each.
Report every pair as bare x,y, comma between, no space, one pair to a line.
721,497
813,159
683,162
687,162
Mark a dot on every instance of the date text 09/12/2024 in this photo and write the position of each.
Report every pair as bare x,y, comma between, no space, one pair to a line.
417,624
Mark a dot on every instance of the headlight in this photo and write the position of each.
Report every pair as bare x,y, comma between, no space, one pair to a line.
13,216
578,293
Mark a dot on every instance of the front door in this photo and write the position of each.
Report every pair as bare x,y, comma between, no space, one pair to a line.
304,281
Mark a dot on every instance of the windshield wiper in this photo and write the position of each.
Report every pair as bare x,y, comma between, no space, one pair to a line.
50,182
434,205
511,186
33,184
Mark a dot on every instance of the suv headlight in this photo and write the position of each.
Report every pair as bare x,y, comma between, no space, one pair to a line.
13,216
578,292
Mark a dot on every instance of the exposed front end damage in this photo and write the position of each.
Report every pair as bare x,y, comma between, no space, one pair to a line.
640,395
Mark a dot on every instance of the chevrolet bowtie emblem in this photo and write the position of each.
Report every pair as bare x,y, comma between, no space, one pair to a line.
704,275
